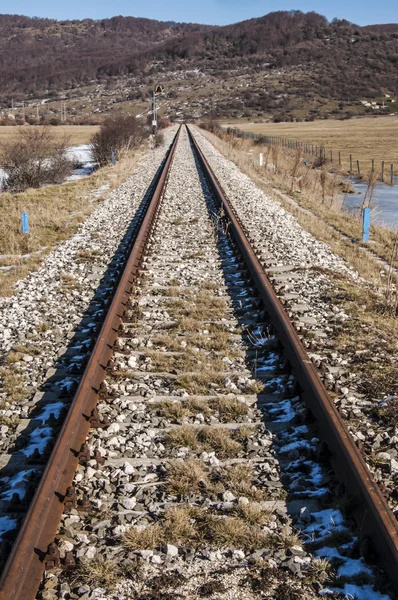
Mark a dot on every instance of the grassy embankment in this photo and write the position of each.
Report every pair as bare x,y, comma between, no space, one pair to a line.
314,190
366,138
55,212
371,302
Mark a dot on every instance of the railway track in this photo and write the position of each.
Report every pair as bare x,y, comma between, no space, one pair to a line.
200,438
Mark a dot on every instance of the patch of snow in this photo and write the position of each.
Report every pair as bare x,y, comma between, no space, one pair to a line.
54,408
294,445
355,592
350,566
325,522
283,410
16,485
39,439
6,524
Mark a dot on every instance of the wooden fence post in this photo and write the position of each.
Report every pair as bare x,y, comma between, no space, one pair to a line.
350,163
382,170
359,170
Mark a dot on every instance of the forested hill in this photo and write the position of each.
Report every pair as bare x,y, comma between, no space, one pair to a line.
338,57
42,53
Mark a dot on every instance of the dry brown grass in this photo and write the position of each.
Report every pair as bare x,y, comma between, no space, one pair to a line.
253,514
224,442
187,477
199,384
240,480
55,213
221,342
77,134
227,409
203,305
193,477
198,527
99,573
389,413
364,138
13,384
12,357
171,410
162,361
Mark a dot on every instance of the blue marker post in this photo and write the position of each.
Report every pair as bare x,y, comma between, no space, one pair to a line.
366,224
25,222
113,157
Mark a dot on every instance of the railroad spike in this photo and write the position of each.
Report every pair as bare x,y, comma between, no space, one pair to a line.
94,420
15,504
52,559
84,455
84,504
322,451
69,561
70,499
98,457
36,457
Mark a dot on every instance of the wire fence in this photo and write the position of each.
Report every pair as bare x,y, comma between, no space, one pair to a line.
323,155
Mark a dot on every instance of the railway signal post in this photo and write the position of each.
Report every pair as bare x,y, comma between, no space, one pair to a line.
158,91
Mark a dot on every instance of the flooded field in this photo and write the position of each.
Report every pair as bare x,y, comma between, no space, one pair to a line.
384,203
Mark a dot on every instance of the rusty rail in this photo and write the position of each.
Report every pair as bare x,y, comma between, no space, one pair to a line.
374,518
23,571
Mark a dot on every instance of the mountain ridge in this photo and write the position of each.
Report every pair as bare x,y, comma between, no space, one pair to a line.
335,60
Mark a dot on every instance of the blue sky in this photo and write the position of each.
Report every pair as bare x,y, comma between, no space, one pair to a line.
218,12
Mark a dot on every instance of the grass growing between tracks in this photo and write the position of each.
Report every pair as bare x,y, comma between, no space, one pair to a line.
198,527
192,476
102,573
55,213
225,443
227,409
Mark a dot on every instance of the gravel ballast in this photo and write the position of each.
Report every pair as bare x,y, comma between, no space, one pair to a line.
182,494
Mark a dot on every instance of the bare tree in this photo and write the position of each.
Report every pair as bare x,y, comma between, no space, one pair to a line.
35,157
117,134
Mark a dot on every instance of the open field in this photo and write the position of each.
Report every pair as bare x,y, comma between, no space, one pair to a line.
79,134
365,138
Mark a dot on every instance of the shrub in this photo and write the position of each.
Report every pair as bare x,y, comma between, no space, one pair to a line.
210,125
159,139
35,157
118,134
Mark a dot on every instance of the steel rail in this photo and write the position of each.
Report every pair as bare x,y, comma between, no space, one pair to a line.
23,571
374,518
